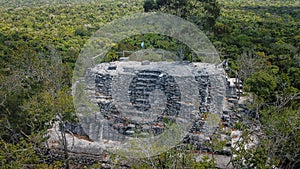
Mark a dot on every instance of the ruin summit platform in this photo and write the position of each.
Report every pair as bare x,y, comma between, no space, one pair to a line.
137,98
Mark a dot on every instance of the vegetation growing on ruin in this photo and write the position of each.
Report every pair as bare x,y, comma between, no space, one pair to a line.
40,42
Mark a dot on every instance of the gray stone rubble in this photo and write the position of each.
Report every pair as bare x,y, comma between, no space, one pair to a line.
198,88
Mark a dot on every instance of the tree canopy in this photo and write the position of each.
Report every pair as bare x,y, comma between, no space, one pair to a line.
40,42
203,13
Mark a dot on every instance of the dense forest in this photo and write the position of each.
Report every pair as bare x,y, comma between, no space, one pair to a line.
40,42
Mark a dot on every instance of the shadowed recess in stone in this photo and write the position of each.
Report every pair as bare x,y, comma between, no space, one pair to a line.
145,82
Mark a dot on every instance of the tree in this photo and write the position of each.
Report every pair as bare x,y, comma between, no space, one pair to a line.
179,8
275,135
249,62
203,13
282,136
34,93
261,83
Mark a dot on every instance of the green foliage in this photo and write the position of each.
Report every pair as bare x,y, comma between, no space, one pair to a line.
206,163
203,13
82,32
282,135
152,41
41,108
294,74
111,56
239,126
278,140
39,45
14,156
179,157
261,83
24,154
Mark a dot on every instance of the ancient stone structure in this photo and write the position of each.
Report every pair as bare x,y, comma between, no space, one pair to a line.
123,92
140,99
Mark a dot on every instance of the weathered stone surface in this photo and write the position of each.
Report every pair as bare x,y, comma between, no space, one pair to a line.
73,129
165,89
174,81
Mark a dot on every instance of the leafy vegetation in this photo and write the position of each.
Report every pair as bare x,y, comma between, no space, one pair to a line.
40,42
203,13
